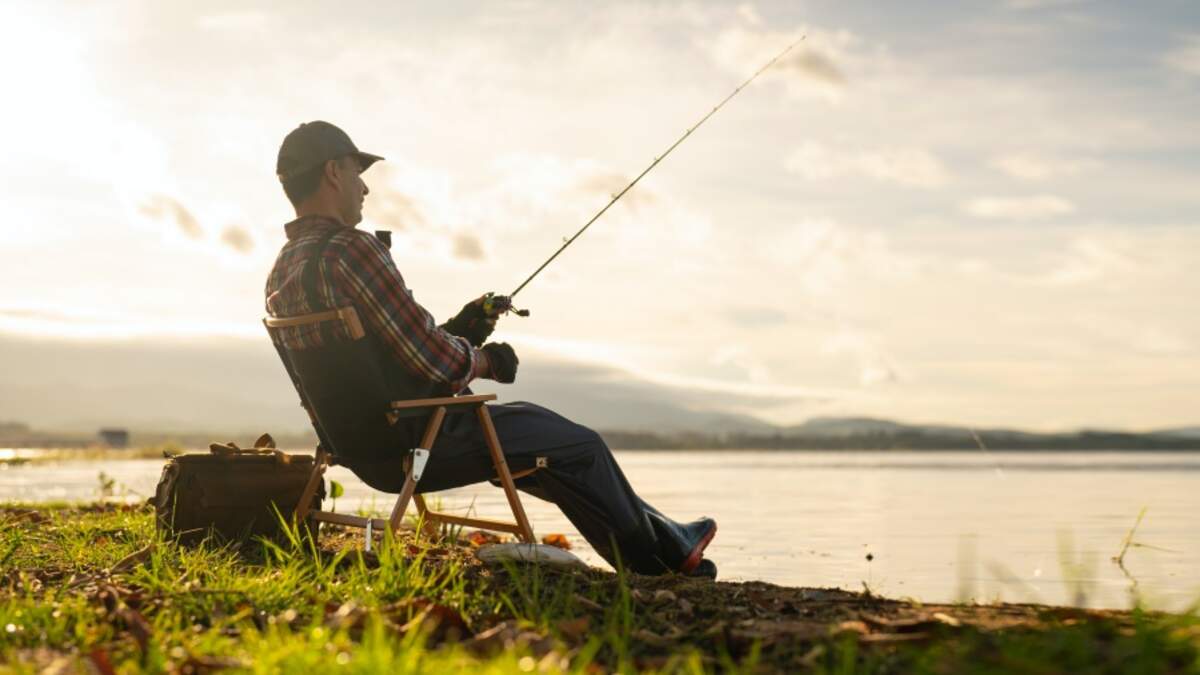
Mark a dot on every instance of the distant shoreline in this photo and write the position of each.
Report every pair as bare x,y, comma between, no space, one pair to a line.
18,455
831,434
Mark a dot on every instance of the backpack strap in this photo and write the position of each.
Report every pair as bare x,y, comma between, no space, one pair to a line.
309,282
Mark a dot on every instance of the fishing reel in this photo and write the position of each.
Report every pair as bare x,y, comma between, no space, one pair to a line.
495,305
476,320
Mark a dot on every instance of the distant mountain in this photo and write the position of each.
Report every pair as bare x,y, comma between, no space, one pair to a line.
840,427
1182,432
844,426
235,388
867,432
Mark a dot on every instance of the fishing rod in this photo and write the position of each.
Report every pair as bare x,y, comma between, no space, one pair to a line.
498,304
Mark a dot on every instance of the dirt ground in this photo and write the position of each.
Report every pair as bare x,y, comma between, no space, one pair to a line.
788,627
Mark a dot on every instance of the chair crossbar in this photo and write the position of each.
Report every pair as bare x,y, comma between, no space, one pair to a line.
346,315
344,519
414,407
465,521
449,401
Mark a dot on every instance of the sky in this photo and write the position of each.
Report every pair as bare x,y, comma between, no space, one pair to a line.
971,212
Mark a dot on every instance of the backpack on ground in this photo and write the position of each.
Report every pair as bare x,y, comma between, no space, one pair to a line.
233,493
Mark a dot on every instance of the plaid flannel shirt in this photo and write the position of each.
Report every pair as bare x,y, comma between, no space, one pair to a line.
357,269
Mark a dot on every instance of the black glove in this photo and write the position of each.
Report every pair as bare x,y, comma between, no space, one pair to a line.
471,323
503,361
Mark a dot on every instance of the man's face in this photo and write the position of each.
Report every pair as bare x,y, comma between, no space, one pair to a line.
351,190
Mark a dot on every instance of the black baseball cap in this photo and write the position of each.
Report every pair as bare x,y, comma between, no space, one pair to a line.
314,143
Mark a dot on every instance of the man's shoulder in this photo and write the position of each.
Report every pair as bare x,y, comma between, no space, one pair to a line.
355,243
333,243
355,252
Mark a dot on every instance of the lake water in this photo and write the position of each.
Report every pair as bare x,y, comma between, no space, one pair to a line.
938,526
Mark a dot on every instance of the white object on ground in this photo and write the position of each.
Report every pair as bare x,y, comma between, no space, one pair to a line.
535,553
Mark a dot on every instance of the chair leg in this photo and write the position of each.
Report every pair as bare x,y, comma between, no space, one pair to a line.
320,462
428,518
410,485
406,493
506,480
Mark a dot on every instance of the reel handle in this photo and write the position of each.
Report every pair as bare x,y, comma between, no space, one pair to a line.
495,305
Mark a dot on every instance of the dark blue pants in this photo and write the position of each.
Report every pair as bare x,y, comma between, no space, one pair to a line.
581,477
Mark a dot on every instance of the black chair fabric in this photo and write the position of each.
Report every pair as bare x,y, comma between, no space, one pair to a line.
349,387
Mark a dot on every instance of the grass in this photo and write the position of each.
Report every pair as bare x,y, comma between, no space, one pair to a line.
95,587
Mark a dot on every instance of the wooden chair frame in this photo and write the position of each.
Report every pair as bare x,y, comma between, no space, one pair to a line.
408,491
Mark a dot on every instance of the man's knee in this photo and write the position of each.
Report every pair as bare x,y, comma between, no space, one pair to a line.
593,441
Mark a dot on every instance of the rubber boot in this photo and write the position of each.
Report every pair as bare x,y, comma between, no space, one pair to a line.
680,545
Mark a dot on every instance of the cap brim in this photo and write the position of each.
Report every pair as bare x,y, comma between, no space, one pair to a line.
366,159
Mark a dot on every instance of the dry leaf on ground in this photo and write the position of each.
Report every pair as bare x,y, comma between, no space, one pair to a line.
557,540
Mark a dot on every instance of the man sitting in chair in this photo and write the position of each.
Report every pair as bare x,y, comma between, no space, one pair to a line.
327,263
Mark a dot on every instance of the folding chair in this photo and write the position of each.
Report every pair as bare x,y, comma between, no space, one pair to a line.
350,402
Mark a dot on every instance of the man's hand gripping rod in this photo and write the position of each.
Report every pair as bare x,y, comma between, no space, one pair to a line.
498,304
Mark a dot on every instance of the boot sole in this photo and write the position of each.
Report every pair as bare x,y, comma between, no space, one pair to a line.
697,553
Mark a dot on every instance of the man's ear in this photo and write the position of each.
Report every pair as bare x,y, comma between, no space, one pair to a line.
332,172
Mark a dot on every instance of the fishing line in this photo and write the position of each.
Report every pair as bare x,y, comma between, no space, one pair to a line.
653,164
995,460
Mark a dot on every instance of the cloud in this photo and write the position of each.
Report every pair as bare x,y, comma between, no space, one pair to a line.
391,206
913,167
37,314
420,204
1033,166
747,13
1185,58
742,362
821,257
1158,341
1039,4
236,22
624,364
814,66
1092,259
394,209
237,238
546,183
163,209
468,247
757,317
874,367
1019,208
168,209
518,193
609,183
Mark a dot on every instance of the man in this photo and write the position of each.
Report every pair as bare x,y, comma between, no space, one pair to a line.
327,263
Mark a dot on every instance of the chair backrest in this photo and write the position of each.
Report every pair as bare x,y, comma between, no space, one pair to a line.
348,387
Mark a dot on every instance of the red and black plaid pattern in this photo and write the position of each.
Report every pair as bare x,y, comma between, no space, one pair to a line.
356,269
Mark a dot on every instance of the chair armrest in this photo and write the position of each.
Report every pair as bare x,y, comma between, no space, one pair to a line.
449,401
347,315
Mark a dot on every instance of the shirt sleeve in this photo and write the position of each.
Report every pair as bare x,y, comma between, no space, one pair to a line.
370,278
